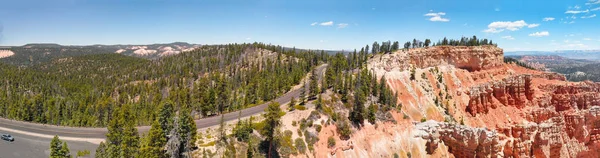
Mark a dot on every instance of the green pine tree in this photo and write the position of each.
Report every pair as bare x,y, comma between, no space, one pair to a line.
187,130
64,150
154,142
272,117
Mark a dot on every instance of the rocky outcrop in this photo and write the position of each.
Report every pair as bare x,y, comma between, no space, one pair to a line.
513,111
470,58
6,53
462,141
512,91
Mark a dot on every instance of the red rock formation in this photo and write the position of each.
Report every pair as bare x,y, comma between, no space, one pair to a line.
518,112
469,58
462,141
512,91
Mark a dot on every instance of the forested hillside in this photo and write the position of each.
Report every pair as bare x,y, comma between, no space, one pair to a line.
85,90
33,54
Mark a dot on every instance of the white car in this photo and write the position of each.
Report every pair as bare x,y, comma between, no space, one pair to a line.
8,137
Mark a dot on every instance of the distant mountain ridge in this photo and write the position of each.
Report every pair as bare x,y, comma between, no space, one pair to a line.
37,53
573,54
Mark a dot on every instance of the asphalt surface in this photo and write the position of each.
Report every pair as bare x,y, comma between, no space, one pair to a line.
32,140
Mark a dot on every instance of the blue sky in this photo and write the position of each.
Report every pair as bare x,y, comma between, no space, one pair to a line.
311,24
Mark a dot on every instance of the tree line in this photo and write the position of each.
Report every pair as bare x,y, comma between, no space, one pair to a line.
388,46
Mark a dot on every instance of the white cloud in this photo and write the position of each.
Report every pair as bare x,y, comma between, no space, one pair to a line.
540,34
577,7
591,2
437,17
590,16
596,9
548,19
533,25
587,39
577,11
248,38
435,14
440,19
329,23
342,25
500,26
492,30
314,23
572,22
508,37
497,9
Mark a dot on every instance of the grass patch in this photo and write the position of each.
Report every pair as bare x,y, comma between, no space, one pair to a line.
83,153
300,107
212,143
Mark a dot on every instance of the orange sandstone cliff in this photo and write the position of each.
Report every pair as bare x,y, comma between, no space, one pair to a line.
460,101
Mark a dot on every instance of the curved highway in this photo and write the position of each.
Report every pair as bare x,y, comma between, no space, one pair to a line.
32,139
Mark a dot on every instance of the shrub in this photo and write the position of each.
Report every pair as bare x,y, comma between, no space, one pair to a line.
258,126
412,73
423,119
83,153
212,143
300,107
286,144
242,130
371,114
330,141
299,132
303,124
344,130
294,123
300,146
318,128
310,139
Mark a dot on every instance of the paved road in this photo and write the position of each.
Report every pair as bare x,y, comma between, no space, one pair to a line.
32,140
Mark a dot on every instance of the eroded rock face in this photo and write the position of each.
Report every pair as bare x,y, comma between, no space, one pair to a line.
509,111
469,58
512,91
462,141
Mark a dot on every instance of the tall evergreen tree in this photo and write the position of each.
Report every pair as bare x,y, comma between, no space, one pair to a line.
130,139
187,130
358,112
272,117
154,142
165,116
302,97
101,151
313,85
64,150
319,103
292,104
59,149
